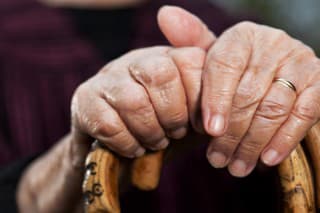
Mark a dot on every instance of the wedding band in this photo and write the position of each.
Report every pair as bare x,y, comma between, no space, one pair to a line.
285,83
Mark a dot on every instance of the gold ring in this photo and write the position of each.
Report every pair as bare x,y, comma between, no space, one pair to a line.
286,83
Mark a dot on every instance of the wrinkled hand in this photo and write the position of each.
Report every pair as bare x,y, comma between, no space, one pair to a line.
140,99
249,113
146,96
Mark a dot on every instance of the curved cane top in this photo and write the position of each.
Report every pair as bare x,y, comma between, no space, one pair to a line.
101,181
297,184
100,186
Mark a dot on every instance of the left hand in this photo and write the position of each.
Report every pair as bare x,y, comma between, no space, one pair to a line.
248,111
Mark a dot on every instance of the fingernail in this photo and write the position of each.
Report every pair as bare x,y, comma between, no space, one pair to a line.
238,168
178,133
217,160
162,144
216,125
140,152
270,157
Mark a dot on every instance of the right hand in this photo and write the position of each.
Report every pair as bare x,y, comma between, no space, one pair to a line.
145,96
139,100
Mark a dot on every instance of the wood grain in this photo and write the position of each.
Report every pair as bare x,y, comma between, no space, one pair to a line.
100,186
313,145
101,180
297,184
146,171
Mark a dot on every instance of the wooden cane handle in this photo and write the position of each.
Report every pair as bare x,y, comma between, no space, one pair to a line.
146,171
102,172
313,145
297,184
100,186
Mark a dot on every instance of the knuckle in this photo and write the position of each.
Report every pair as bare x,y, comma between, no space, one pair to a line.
137,102
177,119
245,25
197,55
279,38
231,140
156,72
306,112
197,51
272,110
287,140
134,99
128,147
245,98
106,129
280,34
82,90
250,150
153,139
226,61
225,93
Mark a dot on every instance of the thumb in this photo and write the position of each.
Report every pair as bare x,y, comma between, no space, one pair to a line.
182,28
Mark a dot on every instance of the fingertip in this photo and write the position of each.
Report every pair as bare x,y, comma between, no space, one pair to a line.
182,28
162,144
215,124
139,152
217,160
240,169
271,157
178,133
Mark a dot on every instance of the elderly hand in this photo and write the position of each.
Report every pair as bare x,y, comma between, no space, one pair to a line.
147,95
138,100
260,92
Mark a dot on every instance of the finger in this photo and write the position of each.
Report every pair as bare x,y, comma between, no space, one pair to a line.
97,118
132,103
190,62
161,79
226,62
183,29
304,115
271,113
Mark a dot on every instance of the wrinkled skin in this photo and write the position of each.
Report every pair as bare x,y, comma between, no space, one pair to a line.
148,96
140,99
249,114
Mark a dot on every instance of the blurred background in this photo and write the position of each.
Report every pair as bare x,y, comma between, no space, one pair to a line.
299,18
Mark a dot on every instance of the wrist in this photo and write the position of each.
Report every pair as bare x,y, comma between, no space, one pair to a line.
76,150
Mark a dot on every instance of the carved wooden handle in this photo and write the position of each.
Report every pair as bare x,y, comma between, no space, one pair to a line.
101,181
100,186
146,171
297,184
313,145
